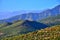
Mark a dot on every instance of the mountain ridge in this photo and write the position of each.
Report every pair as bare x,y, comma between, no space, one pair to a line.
36,16
21,27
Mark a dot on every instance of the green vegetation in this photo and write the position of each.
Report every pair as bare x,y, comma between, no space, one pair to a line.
26,27
15,29
2,25
51,21
50,33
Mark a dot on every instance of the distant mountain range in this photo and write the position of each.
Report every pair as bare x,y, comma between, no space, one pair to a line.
35,16
29,22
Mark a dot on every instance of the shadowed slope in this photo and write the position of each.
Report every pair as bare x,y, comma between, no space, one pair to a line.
22,27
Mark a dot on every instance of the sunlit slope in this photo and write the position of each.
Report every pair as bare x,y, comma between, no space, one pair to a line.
52,33
21,27
52,20
11,29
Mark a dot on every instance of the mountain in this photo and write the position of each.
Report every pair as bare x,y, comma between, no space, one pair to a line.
34,24
50,33
35,16
21,27
51,21
30,22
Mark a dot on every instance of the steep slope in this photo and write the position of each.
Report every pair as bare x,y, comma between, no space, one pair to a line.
52,33
22,27
50,21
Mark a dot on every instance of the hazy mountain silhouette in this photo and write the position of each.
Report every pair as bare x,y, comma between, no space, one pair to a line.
36,16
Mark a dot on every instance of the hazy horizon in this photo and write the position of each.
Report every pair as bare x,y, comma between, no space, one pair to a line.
7,7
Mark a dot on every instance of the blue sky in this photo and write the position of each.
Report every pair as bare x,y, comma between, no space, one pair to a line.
17,5
7,6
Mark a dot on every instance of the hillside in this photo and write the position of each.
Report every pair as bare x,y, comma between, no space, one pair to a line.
32,26
51,21
52,33
21,27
